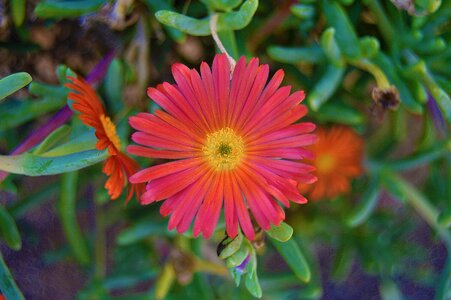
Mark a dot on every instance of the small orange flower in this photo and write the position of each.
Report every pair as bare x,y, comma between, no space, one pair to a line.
92,113
338,155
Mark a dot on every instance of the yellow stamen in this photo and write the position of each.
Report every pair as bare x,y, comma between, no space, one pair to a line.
325,163
224,149
110,130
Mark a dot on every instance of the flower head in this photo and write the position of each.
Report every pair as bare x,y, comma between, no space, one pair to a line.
234,144
92,113
338,155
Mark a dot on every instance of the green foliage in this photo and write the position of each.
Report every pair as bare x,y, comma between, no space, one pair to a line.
234,20
13,83
53,9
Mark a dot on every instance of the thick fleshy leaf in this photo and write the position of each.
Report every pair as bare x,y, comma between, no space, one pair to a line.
234,20
35,165
294,258
366,204
331,48
224,5
13,83
345,34
68,215
8,230
238,257
326,86
311,54
369,46
53,138
253,285
156,5
282,233
303,11
52,9
231,246
339,113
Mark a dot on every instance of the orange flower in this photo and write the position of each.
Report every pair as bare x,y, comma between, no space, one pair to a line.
338,155
92,113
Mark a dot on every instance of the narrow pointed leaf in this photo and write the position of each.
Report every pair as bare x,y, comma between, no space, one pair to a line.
366,205
68,216
7,284
35,165
234,20
311,54
294,258
282,233
8,230
52,9
13,83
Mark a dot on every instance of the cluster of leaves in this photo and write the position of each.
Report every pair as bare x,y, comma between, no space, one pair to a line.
336,50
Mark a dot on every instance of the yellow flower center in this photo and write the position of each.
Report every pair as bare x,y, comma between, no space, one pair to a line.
224,149
325,163
110,130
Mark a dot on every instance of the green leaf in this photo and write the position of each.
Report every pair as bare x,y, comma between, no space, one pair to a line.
53,138
325,88
156,5
253,285
342,263
53,9
420,70
366,205
369,46
227,37
141,230
18,10
8,230
345,35
15,113
339,113
224,5
238,257
114,86
311,54
201,27
425,156
282,233
294,258
331,48
12,83
35,165
232,246
7,283
303,11
67,212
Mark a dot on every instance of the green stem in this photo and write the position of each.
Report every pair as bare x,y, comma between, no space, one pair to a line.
364,64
